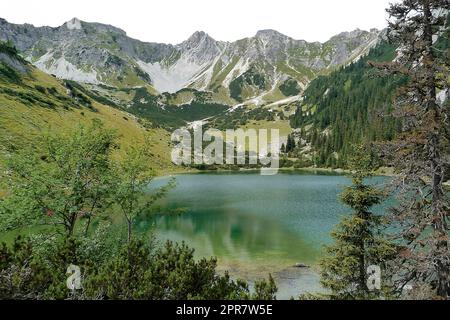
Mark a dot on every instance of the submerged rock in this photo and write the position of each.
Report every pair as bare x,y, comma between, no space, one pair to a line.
301,265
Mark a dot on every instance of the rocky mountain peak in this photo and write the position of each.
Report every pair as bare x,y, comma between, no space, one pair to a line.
199,47
93,27
100,53
74,24
197,38
357,33
270,34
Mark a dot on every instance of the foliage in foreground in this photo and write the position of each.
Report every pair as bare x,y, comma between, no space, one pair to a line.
74,187
136,270
72,181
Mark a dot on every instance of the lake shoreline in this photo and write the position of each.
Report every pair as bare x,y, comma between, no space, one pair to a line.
384,172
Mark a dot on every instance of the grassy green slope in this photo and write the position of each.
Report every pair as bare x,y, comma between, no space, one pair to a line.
33,102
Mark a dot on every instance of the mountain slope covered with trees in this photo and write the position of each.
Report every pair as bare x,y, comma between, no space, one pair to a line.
351,105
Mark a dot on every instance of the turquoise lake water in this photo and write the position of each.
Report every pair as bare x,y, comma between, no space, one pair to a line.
254,224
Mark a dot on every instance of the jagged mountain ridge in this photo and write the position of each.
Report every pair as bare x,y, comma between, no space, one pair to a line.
248,68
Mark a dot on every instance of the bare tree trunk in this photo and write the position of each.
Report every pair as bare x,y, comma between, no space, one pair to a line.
129,224
71,226
87,226
438,212
362,270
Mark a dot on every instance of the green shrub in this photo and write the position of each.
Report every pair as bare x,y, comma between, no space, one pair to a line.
290,88
41,89
136,271
9,73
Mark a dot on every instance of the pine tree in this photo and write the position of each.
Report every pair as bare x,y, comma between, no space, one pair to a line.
421,154
290,145
359,240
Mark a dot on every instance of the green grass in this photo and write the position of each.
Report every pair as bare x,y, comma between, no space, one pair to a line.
40,103
300,73
274,95
181,97
219,75
283,126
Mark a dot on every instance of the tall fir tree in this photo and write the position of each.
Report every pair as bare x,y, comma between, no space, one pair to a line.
359,238
421,153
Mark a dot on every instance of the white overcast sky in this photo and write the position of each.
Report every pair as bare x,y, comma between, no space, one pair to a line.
172,21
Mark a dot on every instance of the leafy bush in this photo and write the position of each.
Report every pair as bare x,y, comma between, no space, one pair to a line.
41,89
135,271
78,93
69,188
290,88
9,73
